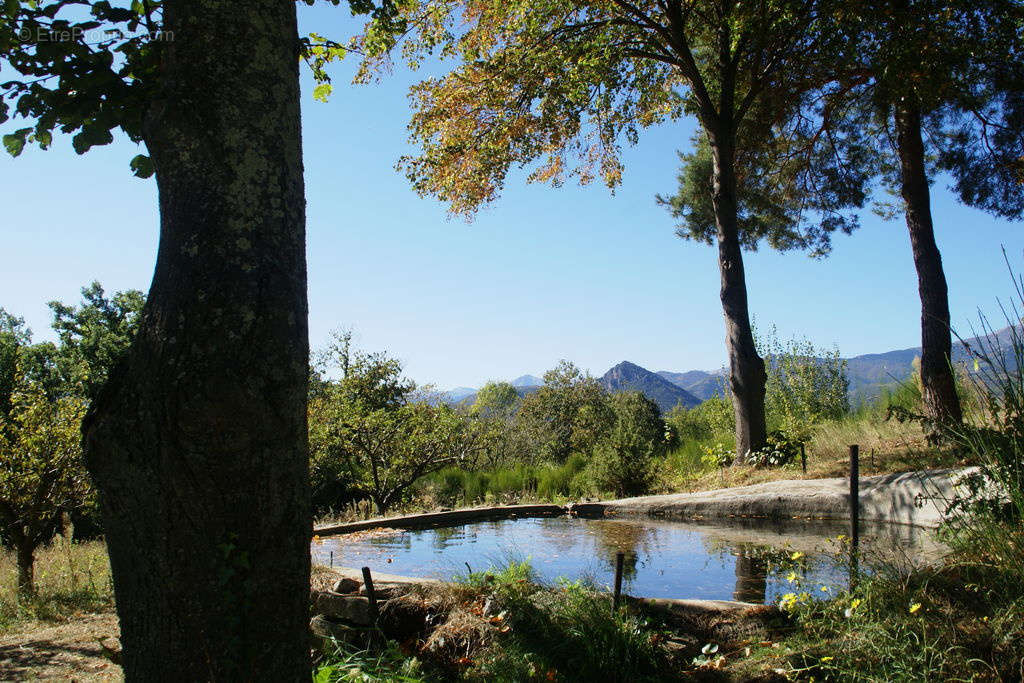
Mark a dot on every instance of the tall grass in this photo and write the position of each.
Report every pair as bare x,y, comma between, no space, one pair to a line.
962,619
564,632
71,577
456,486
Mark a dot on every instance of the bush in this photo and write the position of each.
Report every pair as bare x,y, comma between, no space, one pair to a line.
565,480
779,450
712,418
805,386
622,461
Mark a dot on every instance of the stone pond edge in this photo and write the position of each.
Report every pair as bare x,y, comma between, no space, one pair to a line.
907,498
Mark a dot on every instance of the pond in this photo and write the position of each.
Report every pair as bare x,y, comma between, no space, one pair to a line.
747,560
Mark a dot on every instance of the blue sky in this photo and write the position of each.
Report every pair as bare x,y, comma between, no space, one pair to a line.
543,274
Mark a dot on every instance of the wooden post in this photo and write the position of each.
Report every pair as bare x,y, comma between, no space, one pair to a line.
854,496
370,595
332,558
619,559
803,457
854,515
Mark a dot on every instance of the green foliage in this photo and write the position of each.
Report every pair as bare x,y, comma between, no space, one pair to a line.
958,64
42,473
712,418
14,337
495,397
564,84
568,480
717,456
71,577
369,431
92,68
794,201
565,633
343,663
569,414
95,334
623,460
457,486
805,385
85,72
779,450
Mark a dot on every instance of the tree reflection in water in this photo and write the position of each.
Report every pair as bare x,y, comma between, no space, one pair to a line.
634,540
751,575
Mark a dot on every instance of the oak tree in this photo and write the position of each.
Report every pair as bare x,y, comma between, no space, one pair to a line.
197,441
42,472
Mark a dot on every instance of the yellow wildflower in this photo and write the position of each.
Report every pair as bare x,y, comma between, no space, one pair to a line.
916,606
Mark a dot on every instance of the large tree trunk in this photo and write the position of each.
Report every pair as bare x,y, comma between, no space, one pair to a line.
942,405
746,368
198,442
25,552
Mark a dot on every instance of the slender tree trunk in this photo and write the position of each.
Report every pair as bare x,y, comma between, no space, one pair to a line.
197,443
942,405
746,368
26,551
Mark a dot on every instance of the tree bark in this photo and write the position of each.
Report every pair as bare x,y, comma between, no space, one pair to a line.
747,375
197,443
942,405
25,552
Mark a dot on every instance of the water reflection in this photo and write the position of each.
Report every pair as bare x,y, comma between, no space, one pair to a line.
631,539
745,560
751,575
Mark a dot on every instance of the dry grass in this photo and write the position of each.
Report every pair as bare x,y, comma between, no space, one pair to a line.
71,579
885,447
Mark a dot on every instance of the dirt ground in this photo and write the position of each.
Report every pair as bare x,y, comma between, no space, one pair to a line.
74,651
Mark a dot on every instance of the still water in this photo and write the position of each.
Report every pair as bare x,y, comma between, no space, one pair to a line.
750,560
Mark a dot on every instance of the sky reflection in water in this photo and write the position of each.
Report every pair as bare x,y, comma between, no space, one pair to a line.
741,560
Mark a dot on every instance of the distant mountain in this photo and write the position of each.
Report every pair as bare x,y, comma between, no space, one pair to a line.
628,376
869,374
702,384
523,391
684,379
458,394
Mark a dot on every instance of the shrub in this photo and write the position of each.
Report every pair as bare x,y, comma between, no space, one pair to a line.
714,417
778,450
564,633
805,385
622,461
564,480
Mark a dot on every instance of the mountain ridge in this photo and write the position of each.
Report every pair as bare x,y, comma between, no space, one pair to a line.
868,373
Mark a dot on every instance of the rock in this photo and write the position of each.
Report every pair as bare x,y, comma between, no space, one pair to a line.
351,608
324,629
386,591
346,585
